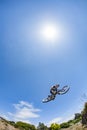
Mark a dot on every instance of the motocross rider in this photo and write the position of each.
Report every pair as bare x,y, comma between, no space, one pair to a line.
53,91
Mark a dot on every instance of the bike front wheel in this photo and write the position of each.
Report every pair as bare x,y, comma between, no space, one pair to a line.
64,90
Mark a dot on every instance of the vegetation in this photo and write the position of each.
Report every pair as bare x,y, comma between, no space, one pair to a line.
77,120
54,126
24,126
41,126
84,115
64,125
12,123
71,122
77,115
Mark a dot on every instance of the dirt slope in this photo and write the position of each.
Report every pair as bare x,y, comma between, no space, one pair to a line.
6,126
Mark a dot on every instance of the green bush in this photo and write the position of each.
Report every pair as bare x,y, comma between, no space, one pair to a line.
24,126
54,126
12,123
70,121
77,120
65,125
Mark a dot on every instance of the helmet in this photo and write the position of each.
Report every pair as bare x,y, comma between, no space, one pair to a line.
57,85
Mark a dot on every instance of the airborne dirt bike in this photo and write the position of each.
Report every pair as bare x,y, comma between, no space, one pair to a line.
62,91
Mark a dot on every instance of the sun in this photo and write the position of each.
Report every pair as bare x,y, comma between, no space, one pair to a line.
49,32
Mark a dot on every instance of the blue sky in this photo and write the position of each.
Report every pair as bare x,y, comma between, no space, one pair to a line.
30,65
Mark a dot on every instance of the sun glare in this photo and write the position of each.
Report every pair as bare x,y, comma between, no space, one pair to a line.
49,33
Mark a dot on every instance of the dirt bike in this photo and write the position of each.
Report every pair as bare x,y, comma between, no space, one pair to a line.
62,91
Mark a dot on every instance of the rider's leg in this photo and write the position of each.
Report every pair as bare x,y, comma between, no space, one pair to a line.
49,96
53,96
53,92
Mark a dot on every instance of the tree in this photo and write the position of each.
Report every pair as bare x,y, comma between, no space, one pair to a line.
77,115
84,115
54,126
41,126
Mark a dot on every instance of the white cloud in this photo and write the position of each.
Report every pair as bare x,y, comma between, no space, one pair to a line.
23,112
65,119
60,120
55,120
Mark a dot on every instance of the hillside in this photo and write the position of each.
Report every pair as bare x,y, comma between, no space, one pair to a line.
77,126
4,125
11,125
